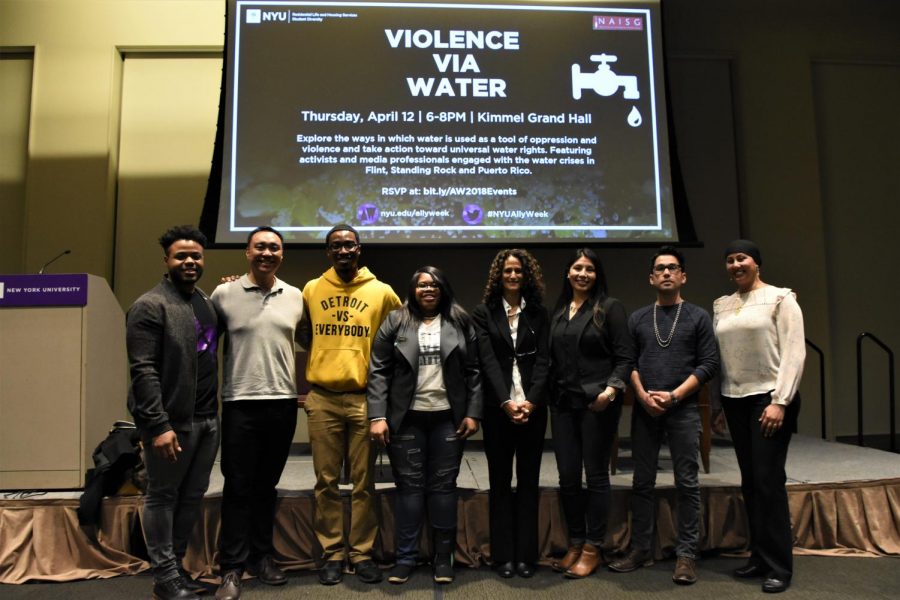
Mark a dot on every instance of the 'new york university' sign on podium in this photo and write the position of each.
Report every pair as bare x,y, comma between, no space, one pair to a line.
44,290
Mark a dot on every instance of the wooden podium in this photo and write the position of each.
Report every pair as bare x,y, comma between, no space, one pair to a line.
63,377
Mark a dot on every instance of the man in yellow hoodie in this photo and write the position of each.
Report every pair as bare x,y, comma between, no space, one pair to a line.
345,308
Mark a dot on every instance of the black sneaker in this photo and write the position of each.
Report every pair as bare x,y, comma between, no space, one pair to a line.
367,571
443,568
400,573
173,589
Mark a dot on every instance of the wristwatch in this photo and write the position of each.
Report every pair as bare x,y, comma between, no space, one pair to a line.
674,398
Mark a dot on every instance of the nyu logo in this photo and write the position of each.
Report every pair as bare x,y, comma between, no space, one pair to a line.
276,15
256,15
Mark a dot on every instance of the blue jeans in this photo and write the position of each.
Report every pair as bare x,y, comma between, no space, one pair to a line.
681,425
174,492
425,457
583,439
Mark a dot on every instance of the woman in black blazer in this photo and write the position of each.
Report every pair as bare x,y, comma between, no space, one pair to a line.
512,328
424,400
590,350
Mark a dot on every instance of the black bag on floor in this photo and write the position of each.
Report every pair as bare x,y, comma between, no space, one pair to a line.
116,460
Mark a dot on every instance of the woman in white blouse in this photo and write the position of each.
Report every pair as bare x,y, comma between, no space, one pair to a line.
760,333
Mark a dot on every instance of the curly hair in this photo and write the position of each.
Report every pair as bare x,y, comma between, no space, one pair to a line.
532,283
182,232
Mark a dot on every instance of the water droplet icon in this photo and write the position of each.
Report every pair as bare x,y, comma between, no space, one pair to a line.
634,117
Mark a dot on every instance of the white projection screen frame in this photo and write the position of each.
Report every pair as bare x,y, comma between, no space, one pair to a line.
446,123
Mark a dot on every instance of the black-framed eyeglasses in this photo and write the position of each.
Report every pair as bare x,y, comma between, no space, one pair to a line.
428,285
674,268
338,246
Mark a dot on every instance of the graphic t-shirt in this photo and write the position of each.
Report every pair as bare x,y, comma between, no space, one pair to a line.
207,371
431,395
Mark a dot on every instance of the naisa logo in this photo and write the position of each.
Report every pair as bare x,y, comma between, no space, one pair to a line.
254,15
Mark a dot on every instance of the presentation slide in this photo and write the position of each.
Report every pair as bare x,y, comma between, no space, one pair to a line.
446,123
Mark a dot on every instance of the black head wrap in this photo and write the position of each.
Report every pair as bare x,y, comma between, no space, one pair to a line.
747,247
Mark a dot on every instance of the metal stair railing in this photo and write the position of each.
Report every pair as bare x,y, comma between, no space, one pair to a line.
859,388
821,384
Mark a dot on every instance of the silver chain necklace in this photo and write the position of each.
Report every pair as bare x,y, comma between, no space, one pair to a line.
664,343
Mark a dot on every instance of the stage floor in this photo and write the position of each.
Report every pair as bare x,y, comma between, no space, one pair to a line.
810,461
843,500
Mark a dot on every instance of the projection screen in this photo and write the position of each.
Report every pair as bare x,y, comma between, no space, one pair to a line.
446,123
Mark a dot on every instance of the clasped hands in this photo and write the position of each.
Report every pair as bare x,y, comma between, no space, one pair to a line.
518,413
657,402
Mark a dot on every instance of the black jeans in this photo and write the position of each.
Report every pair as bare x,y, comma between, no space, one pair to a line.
256,440
681,426
425,456
514,515
583,438
174,493
763,478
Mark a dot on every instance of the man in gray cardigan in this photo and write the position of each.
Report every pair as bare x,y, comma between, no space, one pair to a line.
172,340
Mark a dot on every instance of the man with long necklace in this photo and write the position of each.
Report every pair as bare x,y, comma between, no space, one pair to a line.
675,355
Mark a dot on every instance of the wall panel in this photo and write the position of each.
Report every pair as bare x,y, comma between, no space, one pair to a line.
168,125
858,131
16,70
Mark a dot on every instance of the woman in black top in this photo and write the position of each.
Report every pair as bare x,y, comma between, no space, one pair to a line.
589,356
512,328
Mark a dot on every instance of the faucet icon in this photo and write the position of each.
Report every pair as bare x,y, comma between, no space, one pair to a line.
603,80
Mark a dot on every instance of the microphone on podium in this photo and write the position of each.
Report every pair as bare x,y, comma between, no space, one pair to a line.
53,260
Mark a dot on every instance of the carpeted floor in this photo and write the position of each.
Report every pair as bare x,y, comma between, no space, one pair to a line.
819,578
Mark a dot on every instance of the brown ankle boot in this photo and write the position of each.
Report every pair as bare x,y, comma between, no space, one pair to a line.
562,564
586,564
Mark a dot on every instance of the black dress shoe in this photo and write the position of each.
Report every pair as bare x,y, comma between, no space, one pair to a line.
190,583
173,590
268,572
751,570
525,569
332,572
506,570
773,585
